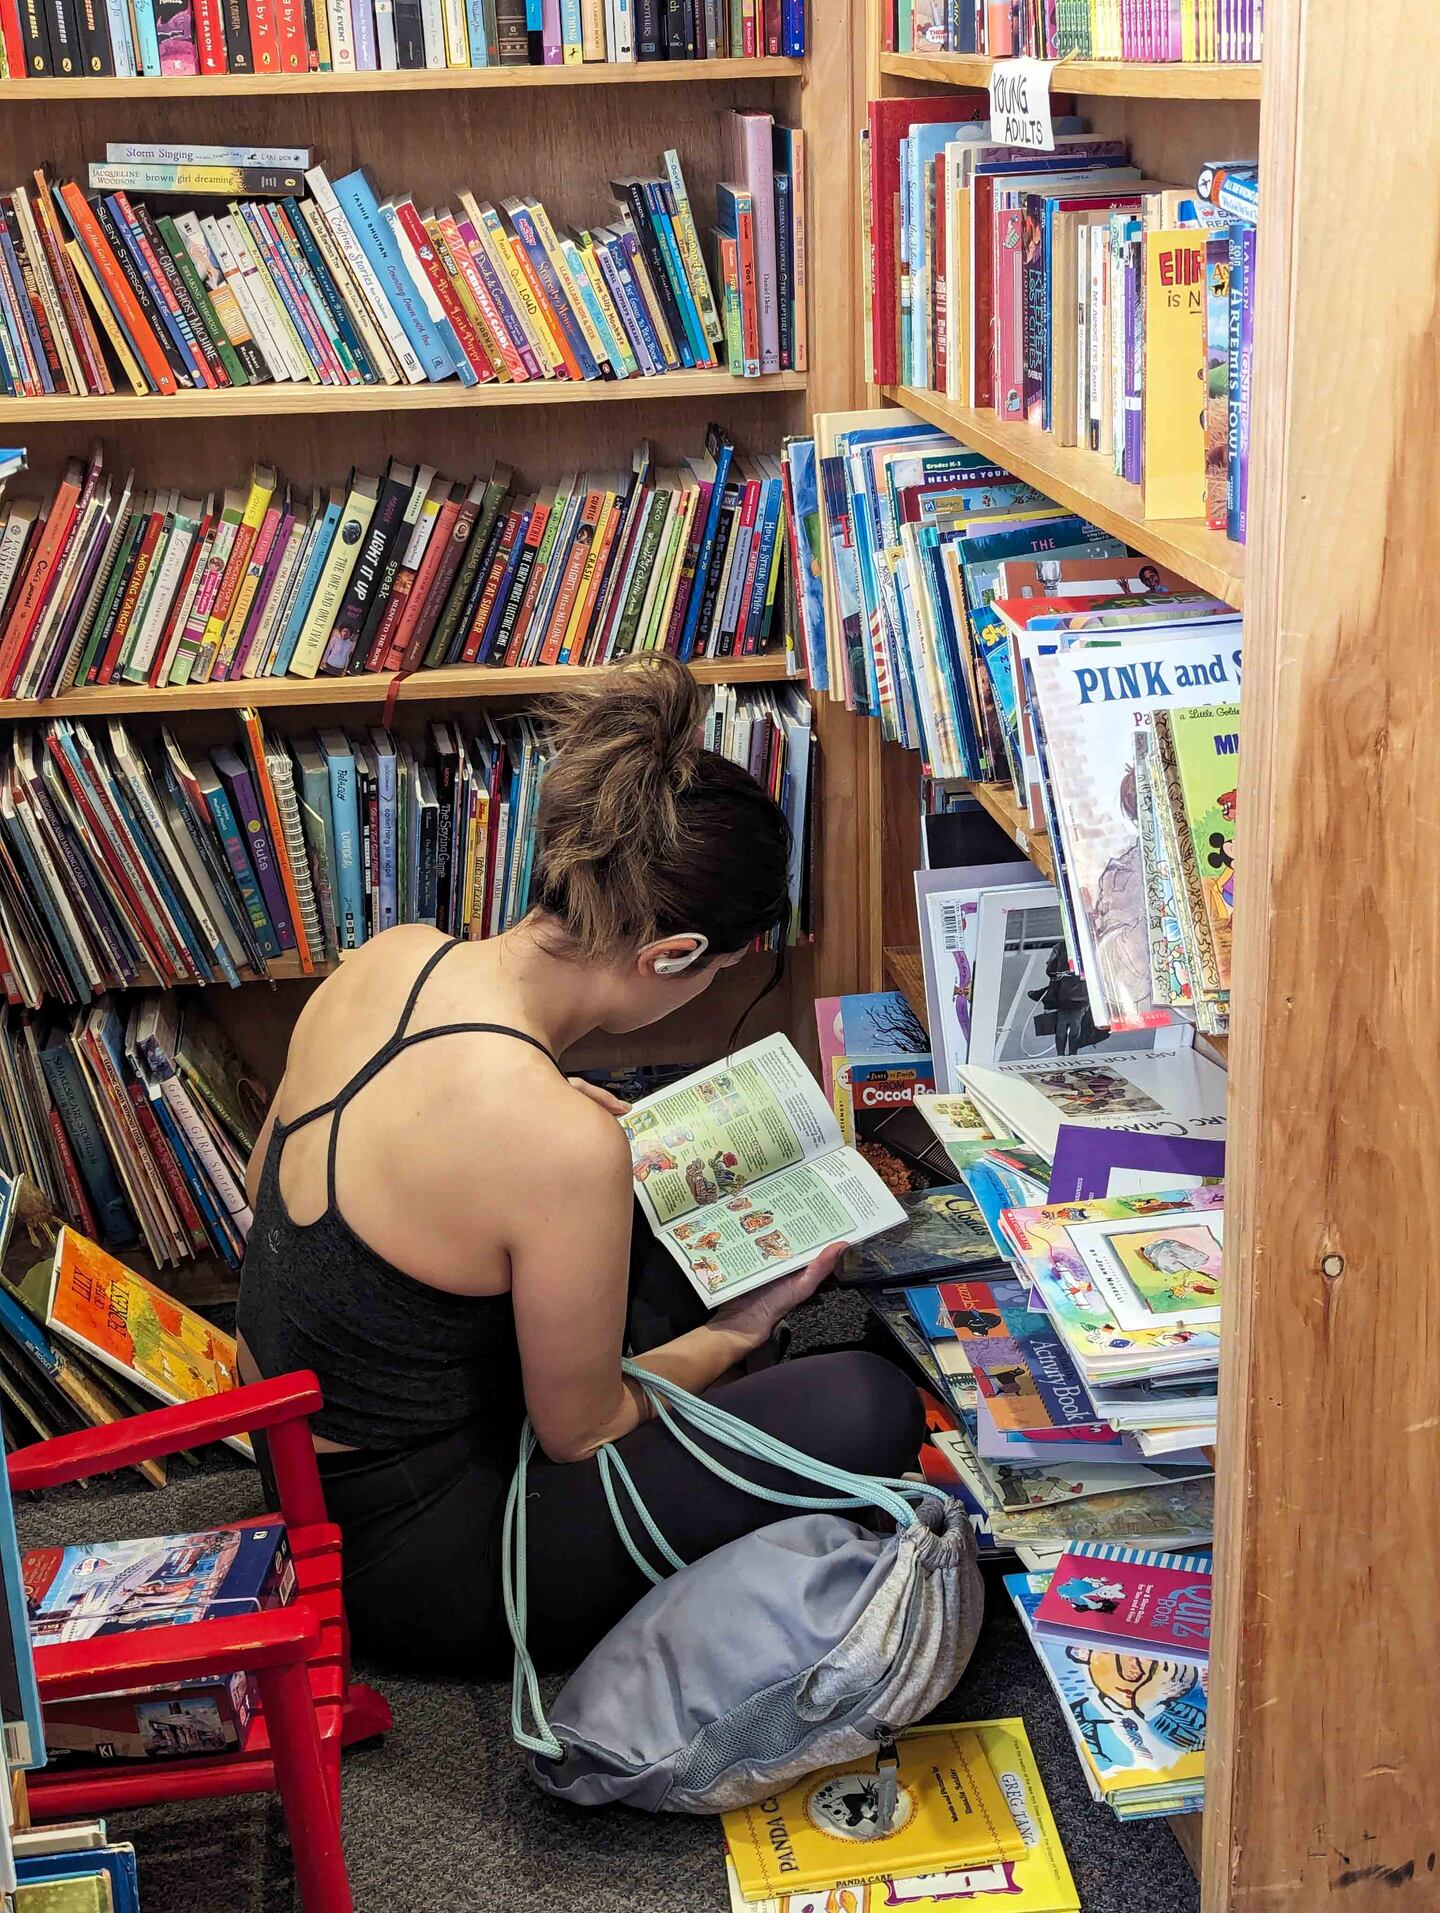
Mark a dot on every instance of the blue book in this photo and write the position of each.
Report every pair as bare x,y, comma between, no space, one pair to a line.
22,305
232,842
255,830
113,1863
216,1219
121,42
634,314
384,749
66,1083
571,30
475,33
449,337
523,225
309,578
724,455
507,578
24,1735
174,323
329,291
750,622
146,38
614,351
358,203
534,16
805,497
348,879
658,204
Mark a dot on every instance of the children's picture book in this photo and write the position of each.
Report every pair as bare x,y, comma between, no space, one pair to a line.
24,1741
1138,1722
1038,1882
829,1829
1118,1162
112,1587
948,907
874,1056
1177,1093
743,1176
136,1329
1177,1514
1128,1607
1018,1361
944,1234
1156,1273
958,1126
1199,750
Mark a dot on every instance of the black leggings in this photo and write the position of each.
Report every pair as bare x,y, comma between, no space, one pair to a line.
422,1529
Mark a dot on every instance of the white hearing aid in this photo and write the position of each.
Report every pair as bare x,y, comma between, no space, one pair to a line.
674,965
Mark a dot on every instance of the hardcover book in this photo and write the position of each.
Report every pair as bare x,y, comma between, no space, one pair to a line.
1127,1607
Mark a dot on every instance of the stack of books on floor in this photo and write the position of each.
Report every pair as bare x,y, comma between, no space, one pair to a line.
1063,291
84,1339
358,36
302,280
1188,30
972,1820
405,569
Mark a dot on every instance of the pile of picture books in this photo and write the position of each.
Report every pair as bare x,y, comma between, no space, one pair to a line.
1063,291
121,866
84,1340
293,278
160,38
136,1120
1161,30
109,582
970,1818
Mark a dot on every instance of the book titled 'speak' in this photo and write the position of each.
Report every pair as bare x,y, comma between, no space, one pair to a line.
950,1812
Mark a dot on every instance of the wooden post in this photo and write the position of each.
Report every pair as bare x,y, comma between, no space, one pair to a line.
1323,1783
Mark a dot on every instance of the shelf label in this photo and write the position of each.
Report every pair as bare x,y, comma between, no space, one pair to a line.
1020,104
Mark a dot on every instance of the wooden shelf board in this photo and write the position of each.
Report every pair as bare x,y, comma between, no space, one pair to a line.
1130,79
449,683
444,79
1084,482
1189,1831
999,800
906,973
270,401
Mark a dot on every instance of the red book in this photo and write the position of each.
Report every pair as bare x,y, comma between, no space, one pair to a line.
1128,1606
117,288
409,620
176,1187
48,552
534,535
430,601
403,582
294,48
130,601
687,568
890,122
749,286
16,64
580,644
209,37
77,1200
459,318
481,618
264,34
569,586
196,356
72,300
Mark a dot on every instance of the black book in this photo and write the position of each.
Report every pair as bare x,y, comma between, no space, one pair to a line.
36,36
236,18
180,292
649,30
125,259
473,579
675,30
97,55
630,194
380,592
385,530
724,533
447,763
409,36
63,22
784,270
514,599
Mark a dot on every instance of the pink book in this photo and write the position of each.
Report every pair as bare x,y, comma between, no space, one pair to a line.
1009,287
1130,1606
551,45
752,151
259,566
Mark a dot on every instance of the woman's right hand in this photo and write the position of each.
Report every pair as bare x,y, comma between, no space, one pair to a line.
754,1317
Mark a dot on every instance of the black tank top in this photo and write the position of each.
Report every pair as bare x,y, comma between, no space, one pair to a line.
400,1363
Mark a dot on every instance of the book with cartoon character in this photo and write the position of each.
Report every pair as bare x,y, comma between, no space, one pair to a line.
1179,1093
742,1173
1135,1607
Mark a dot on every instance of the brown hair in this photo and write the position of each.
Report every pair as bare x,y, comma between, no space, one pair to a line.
642,831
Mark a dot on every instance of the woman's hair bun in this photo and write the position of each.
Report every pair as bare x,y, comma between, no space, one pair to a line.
627,749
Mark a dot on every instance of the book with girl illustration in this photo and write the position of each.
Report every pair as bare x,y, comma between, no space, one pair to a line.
743,1175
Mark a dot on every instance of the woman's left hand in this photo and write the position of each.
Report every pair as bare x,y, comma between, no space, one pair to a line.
612,1105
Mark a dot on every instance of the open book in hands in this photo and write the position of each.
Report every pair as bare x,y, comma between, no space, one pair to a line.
742,1173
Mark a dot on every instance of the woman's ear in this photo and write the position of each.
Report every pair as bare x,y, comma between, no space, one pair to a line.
672,956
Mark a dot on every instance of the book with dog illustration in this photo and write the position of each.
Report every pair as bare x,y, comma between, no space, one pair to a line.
742,1173
1128,1607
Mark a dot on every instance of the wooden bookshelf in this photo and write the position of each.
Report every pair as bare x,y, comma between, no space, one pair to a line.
999,801
447,684
1113,79
284,86
1083,481
905,972
325,401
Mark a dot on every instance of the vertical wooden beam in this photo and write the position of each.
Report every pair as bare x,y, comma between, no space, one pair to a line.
1323,1783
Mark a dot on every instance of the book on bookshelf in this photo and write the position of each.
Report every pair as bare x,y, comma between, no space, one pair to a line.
265,270
153,39
1172,30
108,581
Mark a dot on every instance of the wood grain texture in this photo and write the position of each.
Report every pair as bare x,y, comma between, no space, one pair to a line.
280,87
1325,1737
905,972
1083,481
1136,79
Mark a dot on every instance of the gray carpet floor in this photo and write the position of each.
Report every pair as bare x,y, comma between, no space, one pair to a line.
441,1816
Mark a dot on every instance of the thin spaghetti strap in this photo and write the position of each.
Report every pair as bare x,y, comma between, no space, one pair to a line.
430,964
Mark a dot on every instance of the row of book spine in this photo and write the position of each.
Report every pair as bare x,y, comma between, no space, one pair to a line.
106,583
84,39
341,289
1221,31
121,865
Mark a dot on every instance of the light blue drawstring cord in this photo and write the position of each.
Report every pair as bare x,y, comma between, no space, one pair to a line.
670,1402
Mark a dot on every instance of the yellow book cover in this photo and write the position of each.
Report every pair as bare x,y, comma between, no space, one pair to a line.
135,1328
950,1812
1175,374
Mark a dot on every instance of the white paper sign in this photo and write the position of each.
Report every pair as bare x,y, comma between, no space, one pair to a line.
1020,104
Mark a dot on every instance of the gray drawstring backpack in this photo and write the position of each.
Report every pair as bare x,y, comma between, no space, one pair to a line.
807,1643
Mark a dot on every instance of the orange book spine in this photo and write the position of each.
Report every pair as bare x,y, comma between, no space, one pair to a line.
415,602
87,231
254,737
542,299
38,578
569,588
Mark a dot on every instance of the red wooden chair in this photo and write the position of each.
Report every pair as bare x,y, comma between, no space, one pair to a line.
300,1654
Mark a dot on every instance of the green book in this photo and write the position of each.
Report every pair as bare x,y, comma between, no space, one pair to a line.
195,286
